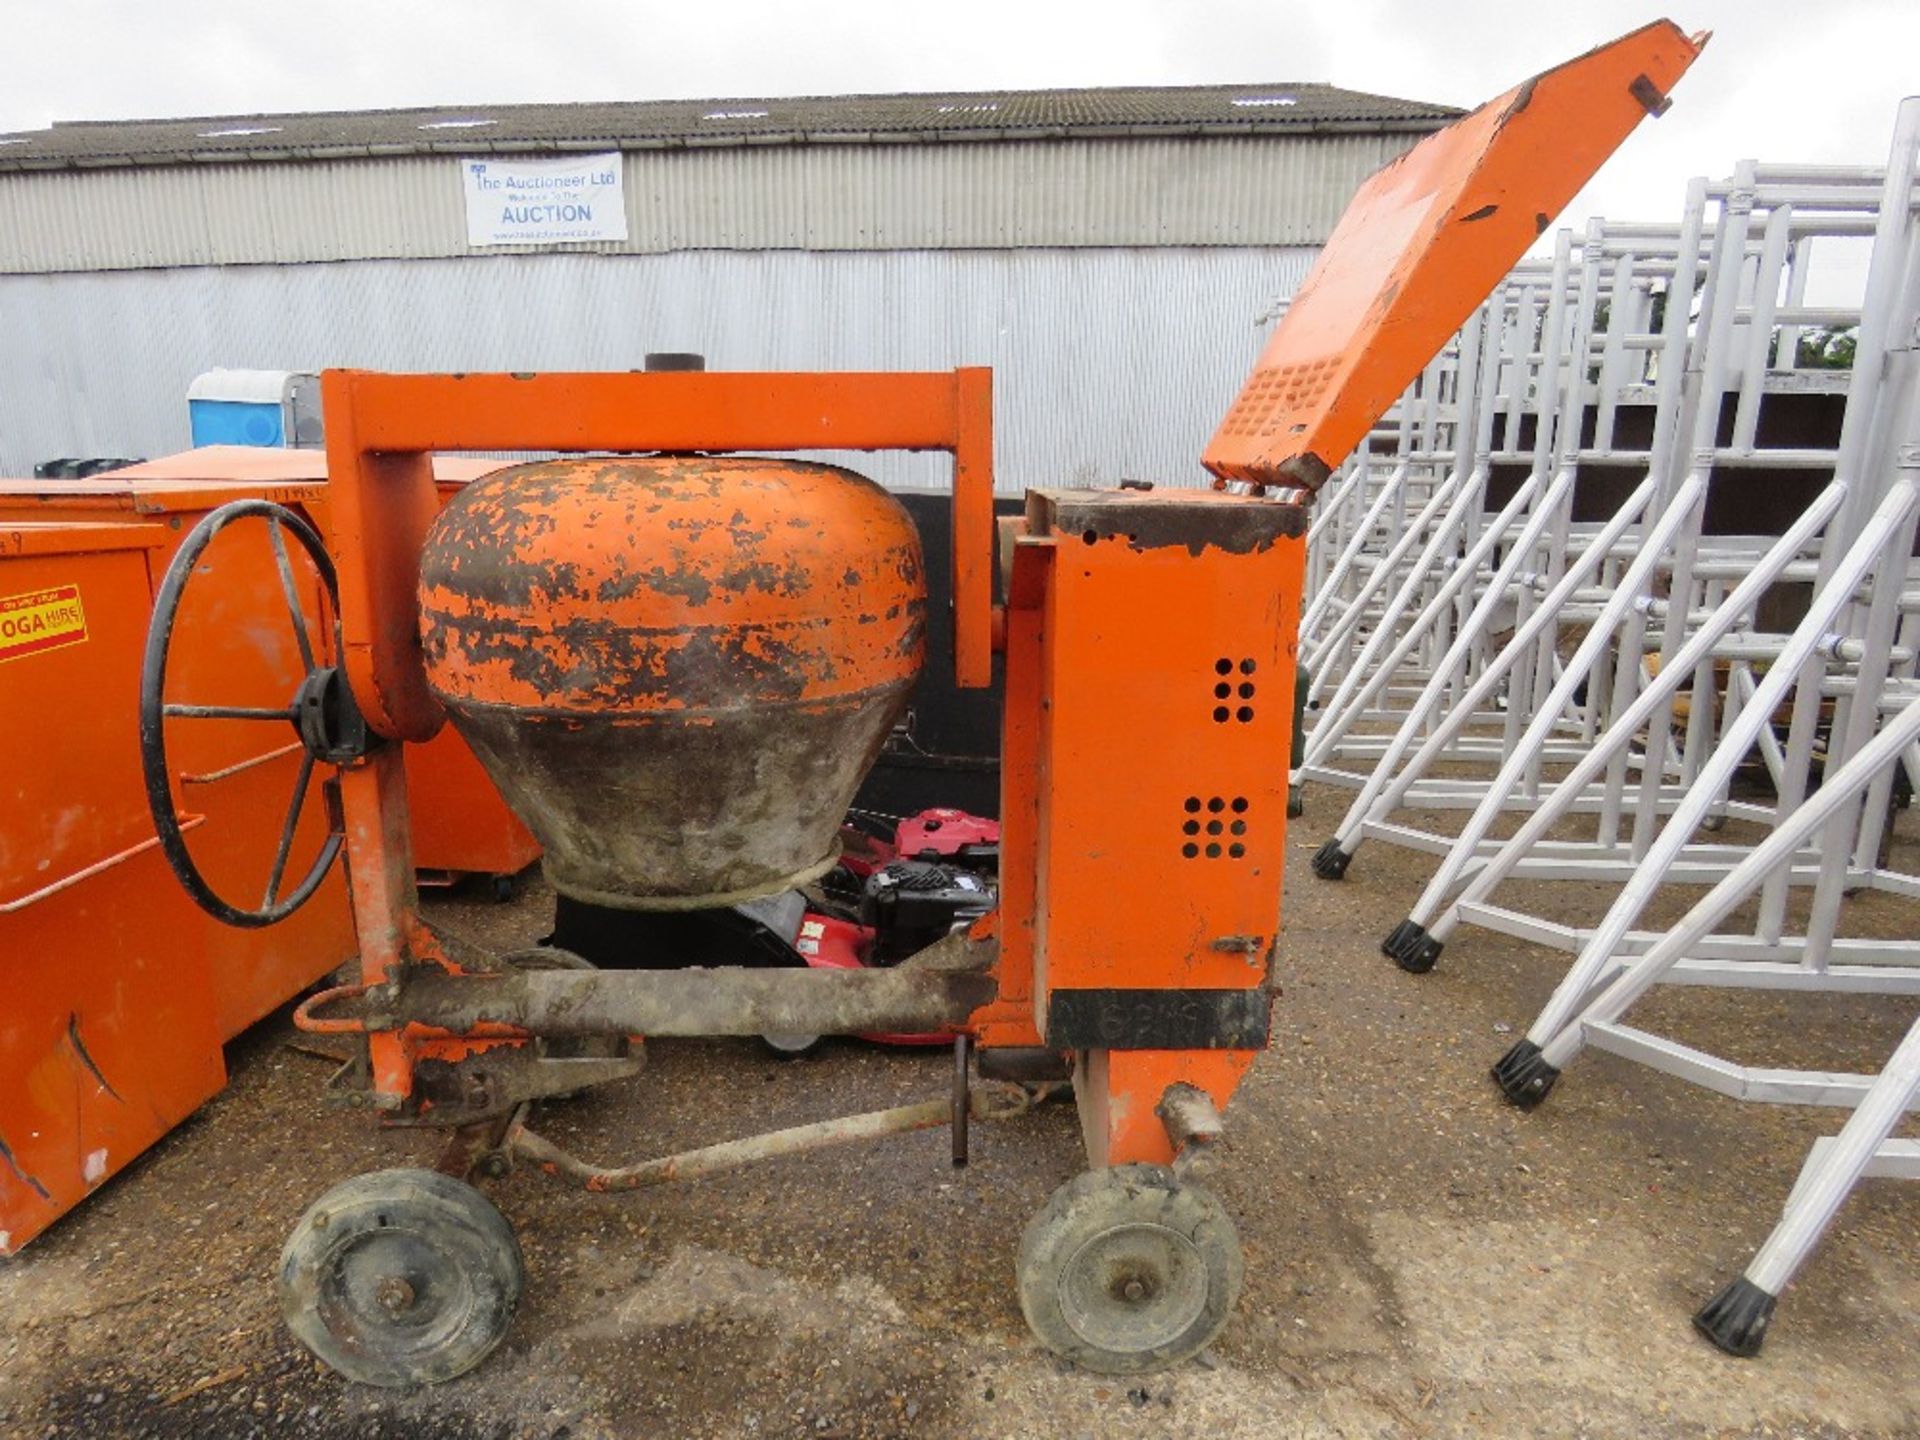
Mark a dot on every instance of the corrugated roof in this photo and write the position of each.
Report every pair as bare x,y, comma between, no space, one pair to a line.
1262,108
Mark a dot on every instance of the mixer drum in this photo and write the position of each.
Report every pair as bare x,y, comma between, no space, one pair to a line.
677,669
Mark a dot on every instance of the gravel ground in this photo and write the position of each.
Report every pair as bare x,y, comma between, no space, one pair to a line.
1421,1259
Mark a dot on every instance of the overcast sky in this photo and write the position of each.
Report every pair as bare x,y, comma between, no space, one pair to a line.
1813,80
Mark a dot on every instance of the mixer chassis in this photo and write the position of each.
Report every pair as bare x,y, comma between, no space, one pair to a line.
1124,613
756,618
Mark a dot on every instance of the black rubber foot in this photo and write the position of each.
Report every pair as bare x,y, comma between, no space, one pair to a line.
1296,803
1523,1077
1736,1319
1330,861
1411,948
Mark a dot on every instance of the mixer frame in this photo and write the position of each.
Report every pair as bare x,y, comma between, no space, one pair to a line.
381,435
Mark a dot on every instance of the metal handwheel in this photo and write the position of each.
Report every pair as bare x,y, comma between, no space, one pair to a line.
321,711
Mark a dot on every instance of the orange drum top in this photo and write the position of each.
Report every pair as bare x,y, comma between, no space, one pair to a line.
677,669
618,585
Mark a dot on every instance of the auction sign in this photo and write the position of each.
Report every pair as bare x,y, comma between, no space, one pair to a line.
544,201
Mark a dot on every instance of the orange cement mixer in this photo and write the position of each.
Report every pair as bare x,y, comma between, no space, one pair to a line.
677,670
678,667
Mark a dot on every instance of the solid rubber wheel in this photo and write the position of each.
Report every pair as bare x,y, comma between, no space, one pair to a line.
401,1277
1128,1270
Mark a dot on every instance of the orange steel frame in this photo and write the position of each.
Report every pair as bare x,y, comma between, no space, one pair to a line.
1143,884
1105,641
382,431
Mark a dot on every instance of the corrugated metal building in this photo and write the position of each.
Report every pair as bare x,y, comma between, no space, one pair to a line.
1115,255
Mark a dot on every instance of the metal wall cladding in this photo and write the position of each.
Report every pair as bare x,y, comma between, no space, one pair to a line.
1109,363
1275,190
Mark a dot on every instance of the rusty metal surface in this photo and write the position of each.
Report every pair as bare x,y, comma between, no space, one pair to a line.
382,428
470,1145
798,1139
1193,1122
381,433
728,1155
677,669
491,1082
1191,519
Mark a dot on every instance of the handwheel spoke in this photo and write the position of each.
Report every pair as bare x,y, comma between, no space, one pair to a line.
288,589
228,712
286,831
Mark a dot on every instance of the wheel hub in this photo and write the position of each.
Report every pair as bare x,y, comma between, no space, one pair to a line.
328,718
1133,1287
394,1294
401,1277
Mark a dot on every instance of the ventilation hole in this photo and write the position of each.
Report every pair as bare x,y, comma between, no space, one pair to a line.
1213,827
1213,852
1236,851
1244,714
1239,827
1239,805
1220,716
1088,536
1247,667
1193,804
1222,690
1223,667
1189,851
1246,692
1192,827
1216,805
